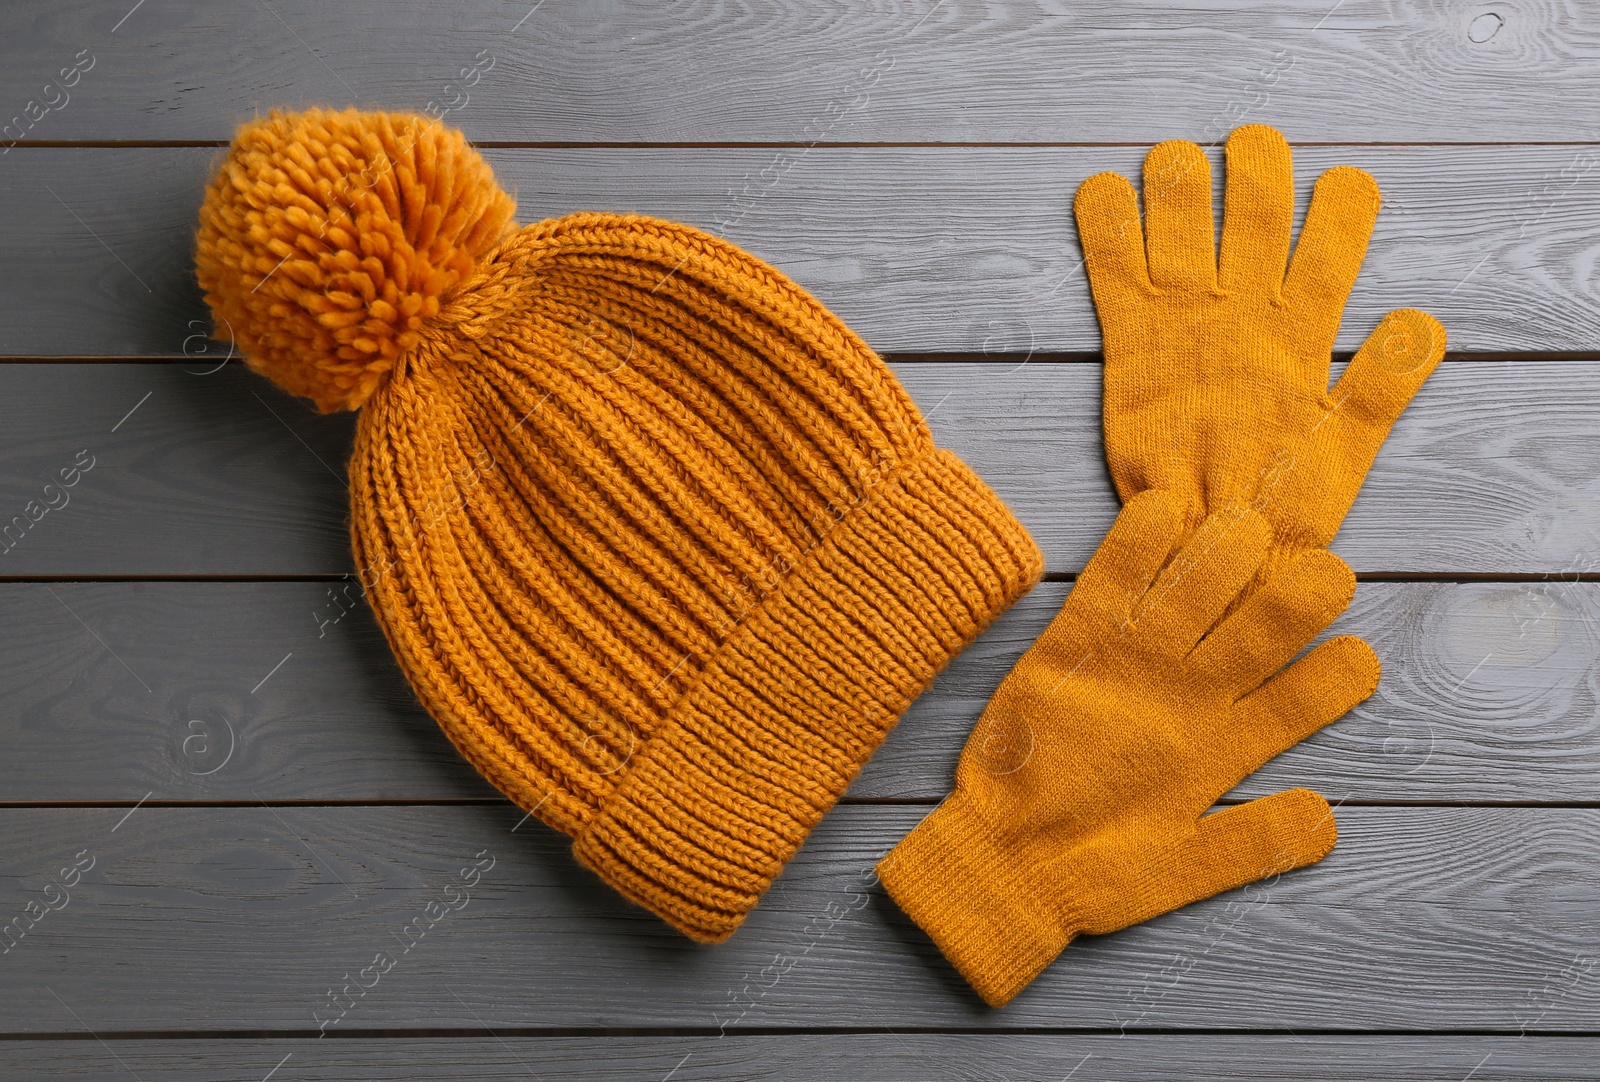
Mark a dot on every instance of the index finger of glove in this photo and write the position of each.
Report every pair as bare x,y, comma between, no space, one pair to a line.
1315,691
1333,242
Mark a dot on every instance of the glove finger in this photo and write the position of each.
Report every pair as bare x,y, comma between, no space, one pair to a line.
1385,374
1277,621
1365,403
1138,545
1315,691
1247,842
1177,207
1113,242
1333,241
1202,580
1258,214
1229,848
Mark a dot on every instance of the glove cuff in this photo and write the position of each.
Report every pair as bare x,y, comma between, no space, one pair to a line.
977,897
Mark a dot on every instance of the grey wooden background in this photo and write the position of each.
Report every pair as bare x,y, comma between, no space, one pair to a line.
196,711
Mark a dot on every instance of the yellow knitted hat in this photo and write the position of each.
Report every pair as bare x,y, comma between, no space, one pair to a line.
659,542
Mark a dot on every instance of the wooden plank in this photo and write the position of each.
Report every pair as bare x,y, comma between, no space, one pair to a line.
212,691
1450,919
878,1057
782,70
1494,469
189,474
1489,693
921,249
268,691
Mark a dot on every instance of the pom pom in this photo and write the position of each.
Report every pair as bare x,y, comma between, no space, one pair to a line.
329,239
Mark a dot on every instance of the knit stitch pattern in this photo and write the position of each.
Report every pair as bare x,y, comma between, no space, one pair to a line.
1217,362
328,238
659,542
1084,800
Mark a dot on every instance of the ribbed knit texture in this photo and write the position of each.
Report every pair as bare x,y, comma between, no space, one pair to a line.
1216,368
1081,795
660,543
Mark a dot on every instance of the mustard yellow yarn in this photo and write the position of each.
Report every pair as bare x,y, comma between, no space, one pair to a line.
328,238
1084,800
660,543
1218,361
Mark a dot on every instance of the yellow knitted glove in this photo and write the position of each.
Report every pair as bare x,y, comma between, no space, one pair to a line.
1079,798
1216,377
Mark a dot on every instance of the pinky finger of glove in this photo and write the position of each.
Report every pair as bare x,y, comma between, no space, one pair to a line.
1140,542
1107,210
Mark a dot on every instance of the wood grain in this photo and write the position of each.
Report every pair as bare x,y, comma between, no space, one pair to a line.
192,474
878,1057
778,70
920,249
212,745
1493,470
1490,692
235,918
288,692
